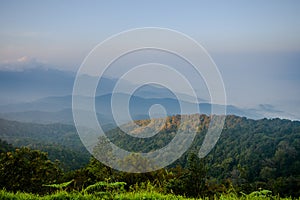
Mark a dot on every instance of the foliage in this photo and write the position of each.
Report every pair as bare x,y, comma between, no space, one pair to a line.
60,185
60,141
137,195
250,154
5,147
105,189
261,193
27,170
253,154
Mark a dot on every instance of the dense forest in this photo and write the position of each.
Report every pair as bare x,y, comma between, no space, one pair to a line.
60,141
261,156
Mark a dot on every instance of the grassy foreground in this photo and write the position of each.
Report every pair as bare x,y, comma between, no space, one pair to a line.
62,195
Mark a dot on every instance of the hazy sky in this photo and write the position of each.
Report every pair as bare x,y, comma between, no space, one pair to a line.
255,44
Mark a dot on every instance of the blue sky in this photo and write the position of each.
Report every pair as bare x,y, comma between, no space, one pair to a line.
255,44
48,29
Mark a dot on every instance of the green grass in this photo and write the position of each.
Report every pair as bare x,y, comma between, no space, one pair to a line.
146,196
143,195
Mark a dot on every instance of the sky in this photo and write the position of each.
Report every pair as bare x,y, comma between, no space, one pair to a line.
255,44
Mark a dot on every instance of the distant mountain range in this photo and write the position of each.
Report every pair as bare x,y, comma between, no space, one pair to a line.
59,109
53,88
30,84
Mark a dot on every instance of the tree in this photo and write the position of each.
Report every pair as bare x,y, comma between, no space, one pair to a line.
196,176
27,170
4,146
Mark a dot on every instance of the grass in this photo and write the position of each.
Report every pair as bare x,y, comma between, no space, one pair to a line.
139,195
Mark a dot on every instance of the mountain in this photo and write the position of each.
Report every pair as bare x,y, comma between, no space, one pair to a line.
30,84
60,141
41,117
37,83
63,116
59,108
249,154
44,96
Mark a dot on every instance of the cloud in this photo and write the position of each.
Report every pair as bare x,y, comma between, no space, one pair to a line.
271,111
269,108
21,64
23,59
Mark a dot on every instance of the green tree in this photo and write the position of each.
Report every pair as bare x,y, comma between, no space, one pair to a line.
4,146
196,176
27,170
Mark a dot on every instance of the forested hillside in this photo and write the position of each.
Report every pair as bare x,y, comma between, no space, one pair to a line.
251,155
60,141
5,147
